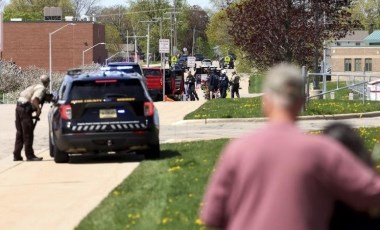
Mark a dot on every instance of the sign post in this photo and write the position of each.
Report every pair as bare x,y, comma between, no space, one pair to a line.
164,48
1,36
227,60
191,62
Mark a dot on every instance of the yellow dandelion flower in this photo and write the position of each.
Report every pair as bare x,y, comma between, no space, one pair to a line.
199,221
175,168
165,220
116,193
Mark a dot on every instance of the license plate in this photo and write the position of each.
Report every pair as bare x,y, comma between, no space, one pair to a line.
107,113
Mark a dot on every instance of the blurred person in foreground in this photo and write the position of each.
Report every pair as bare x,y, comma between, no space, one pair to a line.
28,103
344,217
281,178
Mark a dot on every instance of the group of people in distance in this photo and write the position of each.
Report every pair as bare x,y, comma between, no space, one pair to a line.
279,177
216,86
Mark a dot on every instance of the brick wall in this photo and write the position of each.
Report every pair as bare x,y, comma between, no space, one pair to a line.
27,44
338,54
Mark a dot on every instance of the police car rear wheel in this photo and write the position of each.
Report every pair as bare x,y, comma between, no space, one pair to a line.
51,147
60,156
153,152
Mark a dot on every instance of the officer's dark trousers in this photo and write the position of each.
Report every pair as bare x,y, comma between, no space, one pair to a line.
235,90
24,131
223,92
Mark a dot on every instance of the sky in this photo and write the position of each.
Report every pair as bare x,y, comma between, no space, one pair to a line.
202,3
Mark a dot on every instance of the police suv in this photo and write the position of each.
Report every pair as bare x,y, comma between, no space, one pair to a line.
108,111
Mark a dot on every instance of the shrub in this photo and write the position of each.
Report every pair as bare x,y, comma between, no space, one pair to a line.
13,79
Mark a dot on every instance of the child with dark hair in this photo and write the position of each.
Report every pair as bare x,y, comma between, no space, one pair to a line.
344,217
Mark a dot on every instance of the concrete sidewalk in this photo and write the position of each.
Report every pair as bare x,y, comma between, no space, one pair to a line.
45,195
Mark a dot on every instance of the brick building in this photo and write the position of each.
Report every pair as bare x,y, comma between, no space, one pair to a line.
27,44
357,53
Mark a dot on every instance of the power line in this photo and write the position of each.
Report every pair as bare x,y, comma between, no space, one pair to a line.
134,12
146,11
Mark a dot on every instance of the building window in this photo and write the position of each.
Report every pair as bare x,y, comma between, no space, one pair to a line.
357,43
358,64
347,64
368,64
338,43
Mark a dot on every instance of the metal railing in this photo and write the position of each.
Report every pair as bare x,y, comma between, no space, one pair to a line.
6,99
356,82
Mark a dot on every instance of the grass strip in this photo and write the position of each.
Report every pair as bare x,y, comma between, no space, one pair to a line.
255,83
162,194
167,193
251,107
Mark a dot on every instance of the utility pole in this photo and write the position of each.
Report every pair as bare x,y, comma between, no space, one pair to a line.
148,41
135,38
192,48
173,33
127,46
135,46
175,25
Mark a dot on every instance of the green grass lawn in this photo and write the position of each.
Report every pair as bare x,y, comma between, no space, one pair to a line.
167,193
162,194
251,107
340,94
255,83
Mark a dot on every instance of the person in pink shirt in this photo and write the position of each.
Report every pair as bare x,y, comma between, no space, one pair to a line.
279,178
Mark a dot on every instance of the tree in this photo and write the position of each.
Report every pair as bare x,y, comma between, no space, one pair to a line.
287,30
84,7
367,12
222,4
143,11
217,33
113,39
33,10
193,24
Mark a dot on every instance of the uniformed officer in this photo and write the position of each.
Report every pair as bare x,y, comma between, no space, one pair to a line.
235,85
28,103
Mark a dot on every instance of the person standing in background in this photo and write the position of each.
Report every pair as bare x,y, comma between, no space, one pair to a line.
235,84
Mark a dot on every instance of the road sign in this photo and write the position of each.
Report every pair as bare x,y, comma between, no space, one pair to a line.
184,49
191,62
164,46
227,59
174,59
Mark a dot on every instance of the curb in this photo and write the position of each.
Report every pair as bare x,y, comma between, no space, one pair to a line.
300,118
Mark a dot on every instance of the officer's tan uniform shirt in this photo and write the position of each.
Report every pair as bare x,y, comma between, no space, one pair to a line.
34,91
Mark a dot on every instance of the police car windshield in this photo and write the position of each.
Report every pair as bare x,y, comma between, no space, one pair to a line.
107,88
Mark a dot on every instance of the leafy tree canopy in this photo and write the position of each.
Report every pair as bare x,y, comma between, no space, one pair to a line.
287,30
367,12
31,9
217,33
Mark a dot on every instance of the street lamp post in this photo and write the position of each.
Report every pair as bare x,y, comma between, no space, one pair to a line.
50,55
84,51
121,52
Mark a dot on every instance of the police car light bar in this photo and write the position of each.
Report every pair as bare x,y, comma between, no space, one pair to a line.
115,68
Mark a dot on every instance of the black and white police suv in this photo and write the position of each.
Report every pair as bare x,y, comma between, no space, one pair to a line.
103,112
